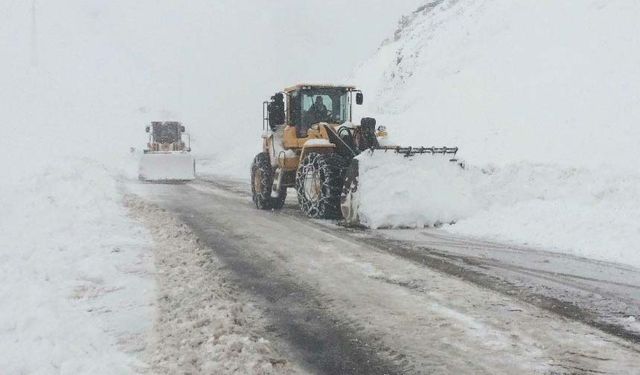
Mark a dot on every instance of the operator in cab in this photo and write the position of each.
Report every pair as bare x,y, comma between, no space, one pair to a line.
318,111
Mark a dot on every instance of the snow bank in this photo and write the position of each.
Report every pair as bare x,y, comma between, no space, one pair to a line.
203,325
594,214
75,280
417,191
541,97
573,210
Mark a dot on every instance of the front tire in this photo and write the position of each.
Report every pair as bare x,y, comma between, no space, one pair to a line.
261,181
319,183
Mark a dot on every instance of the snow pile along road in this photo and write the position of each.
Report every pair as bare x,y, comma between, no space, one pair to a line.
542,98
202,326
412,192
75,273
568,209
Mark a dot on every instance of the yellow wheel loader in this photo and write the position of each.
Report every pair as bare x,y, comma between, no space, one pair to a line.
167,157
311,145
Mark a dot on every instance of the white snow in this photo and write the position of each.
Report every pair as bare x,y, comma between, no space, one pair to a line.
547,91
543,95
167,166
317,142
203,326
564,209
535,81
76,279
417,191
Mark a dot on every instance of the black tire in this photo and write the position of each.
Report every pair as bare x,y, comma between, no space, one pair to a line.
319,183
261,181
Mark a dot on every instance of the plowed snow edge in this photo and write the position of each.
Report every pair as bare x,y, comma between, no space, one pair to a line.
201,326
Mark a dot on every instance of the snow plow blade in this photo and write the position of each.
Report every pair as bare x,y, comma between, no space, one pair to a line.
392,167
167,166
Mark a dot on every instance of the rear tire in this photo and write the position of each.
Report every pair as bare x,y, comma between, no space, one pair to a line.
261,181
319,183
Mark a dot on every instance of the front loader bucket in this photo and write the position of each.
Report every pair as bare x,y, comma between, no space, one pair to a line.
167,166
395,187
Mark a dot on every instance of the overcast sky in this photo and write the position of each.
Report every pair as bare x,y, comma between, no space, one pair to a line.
208,63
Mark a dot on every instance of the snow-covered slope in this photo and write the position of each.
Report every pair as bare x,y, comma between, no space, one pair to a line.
536,80
542,95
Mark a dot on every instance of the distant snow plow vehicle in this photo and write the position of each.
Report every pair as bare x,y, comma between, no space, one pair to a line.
310,144
167,157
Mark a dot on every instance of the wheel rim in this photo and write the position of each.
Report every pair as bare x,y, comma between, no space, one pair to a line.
349,207
345,206
257,181
309,187
312,186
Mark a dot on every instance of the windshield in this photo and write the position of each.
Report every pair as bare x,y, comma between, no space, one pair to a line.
325,105
166,133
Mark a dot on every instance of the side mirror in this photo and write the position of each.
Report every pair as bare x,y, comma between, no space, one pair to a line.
359,98
182,129
146,129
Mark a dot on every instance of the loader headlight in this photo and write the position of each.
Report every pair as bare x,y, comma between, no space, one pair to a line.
381,132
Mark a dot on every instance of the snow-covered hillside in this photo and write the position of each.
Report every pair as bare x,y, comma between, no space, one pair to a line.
542,96
536,80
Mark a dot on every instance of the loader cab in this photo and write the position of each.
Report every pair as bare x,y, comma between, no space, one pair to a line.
292,114
302,106
166,132
310,105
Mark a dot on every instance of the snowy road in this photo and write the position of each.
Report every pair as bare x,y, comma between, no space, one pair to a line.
348,301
